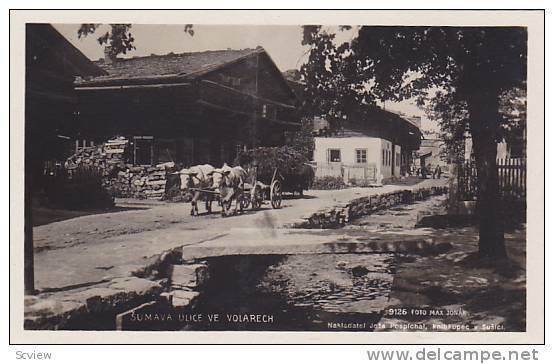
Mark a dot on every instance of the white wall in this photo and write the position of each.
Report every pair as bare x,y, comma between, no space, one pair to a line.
348,146
385,163
392,159
397,160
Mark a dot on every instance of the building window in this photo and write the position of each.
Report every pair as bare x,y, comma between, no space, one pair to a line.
143,151
333,155
361,156
398,159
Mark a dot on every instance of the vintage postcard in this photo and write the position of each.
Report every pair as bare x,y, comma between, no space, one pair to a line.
277,177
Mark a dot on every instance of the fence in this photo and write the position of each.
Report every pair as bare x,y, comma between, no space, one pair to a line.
358,174
512,177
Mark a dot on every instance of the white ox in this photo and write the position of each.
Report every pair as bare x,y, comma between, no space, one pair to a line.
197,177
230,183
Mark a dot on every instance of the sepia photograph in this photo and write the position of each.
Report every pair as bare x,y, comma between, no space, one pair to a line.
212,177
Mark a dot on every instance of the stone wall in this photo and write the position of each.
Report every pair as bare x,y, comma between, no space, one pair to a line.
112,304
339,215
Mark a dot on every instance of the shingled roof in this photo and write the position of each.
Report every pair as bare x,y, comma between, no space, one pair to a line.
165,68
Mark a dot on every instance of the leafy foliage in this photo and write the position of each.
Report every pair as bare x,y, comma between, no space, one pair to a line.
119,38
397,63
303,140
329,183
286,159
460,73
291,166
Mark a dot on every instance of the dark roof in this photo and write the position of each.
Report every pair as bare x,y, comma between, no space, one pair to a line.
167,68
347,133
49,44
408,119
391,117
373,121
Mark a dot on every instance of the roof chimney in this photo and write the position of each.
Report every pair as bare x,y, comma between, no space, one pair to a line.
109,58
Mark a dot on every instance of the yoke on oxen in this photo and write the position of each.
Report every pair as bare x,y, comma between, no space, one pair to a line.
197,182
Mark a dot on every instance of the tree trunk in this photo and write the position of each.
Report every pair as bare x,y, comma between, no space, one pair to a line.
483,114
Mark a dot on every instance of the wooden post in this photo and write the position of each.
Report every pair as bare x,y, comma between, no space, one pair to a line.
28,246
134,151
255,105
29,258
152,152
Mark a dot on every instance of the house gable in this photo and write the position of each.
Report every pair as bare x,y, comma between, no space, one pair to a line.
257,75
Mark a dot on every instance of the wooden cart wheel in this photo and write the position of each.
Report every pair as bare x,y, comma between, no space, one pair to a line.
256,197
244,201
276,194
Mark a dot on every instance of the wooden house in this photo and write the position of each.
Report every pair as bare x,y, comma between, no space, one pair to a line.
189,108
51,65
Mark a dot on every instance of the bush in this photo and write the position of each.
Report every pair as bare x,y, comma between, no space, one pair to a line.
361,182
290,163
80,189
286,159
328,183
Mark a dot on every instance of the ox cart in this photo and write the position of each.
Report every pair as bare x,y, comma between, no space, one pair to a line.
260,174
257,192
253,193
293,171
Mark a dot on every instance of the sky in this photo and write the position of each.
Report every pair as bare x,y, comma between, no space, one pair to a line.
283,44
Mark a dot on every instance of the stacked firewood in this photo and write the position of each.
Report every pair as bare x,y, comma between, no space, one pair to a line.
138,182
122,179
107,156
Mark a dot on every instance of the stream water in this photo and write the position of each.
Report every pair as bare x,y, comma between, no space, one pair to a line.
295,292
303,292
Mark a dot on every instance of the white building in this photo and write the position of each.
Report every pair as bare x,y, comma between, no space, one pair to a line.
369,149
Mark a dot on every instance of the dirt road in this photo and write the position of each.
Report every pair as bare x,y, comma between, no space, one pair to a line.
99,247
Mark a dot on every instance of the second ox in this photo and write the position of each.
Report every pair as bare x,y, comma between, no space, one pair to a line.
229,181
